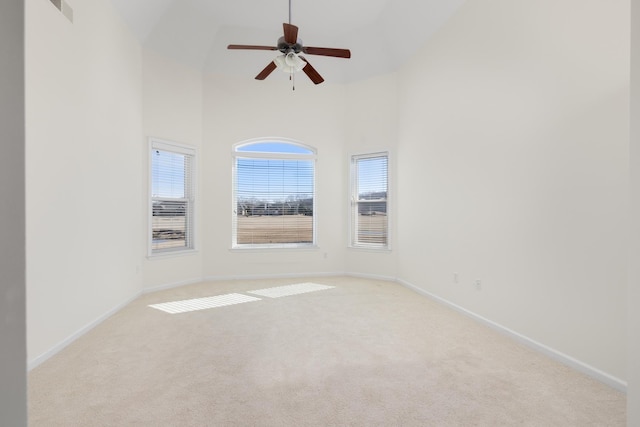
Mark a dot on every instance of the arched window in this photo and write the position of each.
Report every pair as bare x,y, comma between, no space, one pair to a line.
273,194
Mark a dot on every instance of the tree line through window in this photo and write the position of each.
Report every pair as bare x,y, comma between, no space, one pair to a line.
172,197
274,195
369,200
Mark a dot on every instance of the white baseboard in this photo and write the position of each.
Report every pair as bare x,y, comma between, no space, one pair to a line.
172,285
372,276
573,363
236,277
71,338
271,276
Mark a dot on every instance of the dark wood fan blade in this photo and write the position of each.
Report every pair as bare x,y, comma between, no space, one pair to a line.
267,70
327,51
311,72
290,33
250,47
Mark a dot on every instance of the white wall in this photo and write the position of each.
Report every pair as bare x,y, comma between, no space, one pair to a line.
633,392
172,110
237,109
513,169
83,114
13,383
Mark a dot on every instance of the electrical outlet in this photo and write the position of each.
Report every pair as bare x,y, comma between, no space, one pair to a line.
478,284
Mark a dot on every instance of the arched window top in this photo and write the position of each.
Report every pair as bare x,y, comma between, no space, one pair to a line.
273,193
274,147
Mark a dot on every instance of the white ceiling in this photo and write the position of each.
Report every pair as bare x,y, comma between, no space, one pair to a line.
381,34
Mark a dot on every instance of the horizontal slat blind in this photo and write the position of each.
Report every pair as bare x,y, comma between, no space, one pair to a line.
274,201
172,198
274,195
369,217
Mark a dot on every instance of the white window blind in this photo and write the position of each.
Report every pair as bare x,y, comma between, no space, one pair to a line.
172,197
369,193
273,195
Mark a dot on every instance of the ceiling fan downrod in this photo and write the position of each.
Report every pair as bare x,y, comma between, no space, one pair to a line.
290,47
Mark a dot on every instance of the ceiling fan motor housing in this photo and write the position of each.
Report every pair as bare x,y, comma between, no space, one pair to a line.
285,47
290,61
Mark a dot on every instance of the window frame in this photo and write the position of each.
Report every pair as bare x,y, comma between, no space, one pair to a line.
190,199
354,202
235,154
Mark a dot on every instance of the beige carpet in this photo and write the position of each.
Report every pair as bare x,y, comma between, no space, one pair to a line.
364,353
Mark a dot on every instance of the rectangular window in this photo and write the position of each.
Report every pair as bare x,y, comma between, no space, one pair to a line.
369,195
172,197
273,195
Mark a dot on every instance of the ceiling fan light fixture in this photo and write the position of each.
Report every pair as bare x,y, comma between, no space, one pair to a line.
289,63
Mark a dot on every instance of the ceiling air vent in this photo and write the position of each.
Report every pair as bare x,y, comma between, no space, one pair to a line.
64,7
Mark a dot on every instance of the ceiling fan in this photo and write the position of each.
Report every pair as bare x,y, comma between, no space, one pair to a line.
291,48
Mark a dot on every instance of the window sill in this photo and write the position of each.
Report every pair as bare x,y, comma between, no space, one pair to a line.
172,254
274,248
385,249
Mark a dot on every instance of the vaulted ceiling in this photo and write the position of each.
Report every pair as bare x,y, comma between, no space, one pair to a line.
382,34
